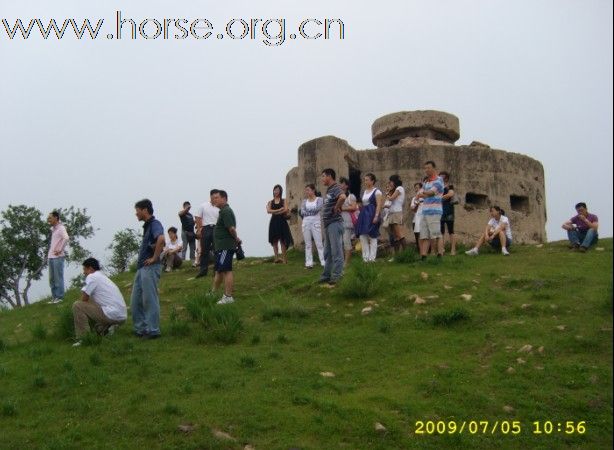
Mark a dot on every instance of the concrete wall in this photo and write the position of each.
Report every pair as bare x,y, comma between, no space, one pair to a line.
495,174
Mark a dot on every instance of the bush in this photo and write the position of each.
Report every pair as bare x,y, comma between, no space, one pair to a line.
247,362
198,307
64,326
362,281
124,247
448,318
39,332
225,324
222,321
384,327
9,409
282,338
407,256
95,359
177,326
39,381
288,312
91,339
171,409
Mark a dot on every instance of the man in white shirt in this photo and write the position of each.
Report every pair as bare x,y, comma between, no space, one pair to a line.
101,301
171,254
206,218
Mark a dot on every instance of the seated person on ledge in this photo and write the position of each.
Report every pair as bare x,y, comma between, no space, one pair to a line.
171,254
582,229
101,302
498,233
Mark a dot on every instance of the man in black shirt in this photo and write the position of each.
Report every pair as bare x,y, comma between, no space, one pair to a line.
187,232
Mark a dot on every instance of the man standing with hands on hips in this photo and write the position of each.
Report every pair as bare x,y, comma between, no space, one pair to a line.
56,256
145,302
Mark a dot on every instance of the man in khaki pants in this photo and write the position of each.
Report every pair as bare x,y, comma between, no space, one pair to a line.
101,301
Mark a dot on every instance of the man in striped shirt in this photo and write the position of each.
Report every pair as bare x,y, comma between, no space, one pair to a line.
333,229
430,225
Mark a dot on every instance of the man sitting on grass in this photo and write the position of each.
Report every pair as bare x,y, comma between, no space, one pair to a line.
101,302
582,229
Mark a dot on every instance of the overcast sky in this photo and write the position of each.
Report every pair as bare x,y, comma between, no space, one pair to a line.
101,124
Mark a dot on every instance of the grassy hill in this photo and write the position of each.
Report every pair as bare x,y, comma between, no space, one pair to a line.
295,365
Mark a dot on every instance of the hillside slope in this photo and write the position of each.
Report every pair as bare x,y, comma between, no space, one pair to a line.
296,365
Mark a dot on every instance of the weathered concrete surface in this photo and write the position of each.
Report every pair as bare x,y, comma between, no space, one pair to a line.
482,177
437,125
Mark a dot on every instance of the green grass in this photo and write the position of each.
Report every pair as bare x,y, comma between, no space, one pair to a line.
253,370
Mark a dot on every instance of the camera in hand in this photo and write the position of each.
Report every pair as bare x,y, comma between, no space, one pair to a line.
240,253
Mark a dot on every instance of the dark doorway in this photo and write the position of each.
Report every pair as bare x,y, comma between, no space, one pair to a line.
355,182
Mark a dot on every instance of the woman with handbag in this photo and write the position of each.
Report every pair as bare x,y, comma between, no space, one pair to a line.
310,212
368,224
279,231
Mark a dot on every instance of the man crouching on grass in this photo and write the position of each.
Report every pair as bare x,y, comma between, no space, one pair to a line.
101,302
225,242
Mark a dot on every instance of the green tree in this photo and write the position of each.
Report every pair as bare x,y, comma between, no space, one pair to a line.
24,242
125,246
79,226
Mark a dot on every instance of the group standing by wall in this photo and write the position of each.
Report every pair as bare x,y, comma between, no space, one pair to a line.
330,223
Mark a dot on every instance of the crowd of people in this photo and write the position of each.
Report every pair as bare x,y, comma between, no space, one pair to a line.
336,223
362,220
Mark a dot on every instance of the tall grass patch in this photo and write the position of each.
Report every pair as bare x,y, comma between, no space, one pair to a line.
408,256
450,317
39,332
363,280
222,323
64,326
295,312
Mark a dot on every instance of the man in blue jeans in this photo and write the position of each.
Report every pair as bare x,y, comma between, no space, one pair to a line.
333,229
582,229
144,302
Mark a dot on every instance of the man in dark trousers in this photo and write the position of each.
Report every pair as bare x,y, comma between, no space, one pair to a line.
333,229
188,237
206,218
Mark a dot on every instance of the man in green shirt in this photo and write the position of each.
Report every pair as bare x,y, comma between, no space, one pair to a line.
225,242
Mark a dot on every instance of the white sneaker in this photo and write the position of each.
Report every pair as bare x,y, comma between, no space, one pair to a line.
472,252
168,269
55,301
77,344
111,330
505,252
225,300
391,259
